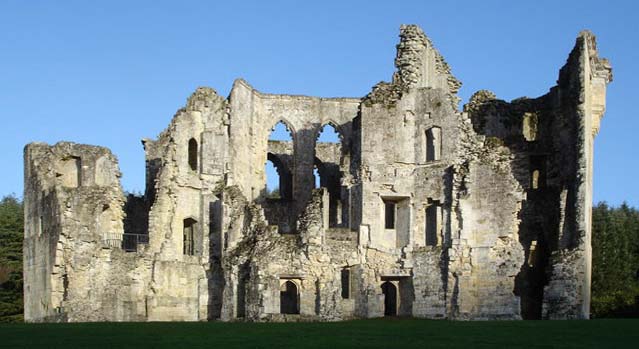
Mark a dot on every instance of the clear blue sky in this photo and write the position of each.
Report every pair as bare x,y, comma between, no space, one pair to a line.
113,72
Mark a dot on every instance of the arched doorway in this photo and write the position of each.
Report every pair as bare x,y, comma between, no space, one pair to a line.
289,300
390,298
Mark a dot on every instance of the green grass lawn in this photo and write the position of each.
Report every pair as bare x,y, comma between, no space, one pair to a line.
377,333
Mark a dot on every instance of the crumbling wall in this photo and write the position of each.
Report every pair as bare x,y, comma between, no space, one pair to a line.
485,253
581,94
185,191
423,210
75,269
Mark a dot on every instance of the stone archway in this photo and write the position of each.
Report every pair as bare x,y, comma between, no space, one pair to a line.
289,298
390,298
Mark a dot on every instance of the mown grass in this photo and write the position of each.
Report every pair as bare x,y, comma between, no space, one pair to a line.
377,333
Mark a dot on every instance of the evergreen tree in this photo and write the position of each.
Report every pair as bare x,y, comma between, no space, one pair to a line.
615,261
11,234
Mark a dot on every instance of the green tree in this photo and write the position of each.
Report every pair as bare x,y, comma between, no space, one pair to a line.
11,234
615,261
273,194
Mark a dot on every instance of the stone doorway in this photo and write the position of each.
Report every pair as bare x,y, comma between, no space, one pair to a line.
390,298
289,298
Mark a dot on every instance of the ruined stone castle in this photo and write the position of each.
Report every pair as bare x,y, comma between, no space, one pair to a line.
422,209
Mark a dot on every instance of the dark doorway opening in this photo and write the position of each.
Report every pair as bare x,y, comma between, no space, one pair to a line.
242,284
289,298
530,282
390,298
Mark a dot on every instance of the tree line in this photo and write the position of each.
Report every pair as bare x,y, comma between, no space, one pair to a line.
615,260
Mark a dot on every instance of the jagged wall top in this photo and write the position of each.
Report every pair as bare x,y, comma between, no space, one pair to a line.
201,98
413,57
600,67
419,65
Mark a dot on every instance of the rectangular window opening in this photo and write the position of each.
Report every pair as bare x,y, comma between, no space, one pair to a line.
432,224
189,245
390,208
433,144
346,283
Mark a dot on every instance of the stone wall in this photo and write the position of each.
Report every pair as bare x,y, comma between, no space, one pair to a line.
423,210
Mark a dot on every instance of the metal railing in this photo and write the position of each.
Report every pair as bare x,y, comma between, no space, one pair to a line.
130,241
189,247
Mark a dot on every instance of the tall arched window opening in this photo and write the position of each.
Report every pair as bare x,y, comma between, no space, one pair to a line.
193,154
279,173
279,183
537,172
279,179
328,157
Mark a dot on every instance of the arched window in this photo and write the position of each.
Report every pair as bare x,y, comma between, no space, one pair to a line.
327,170
433,144
193,154
534,184
279,177
281,132
537,172
328,134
